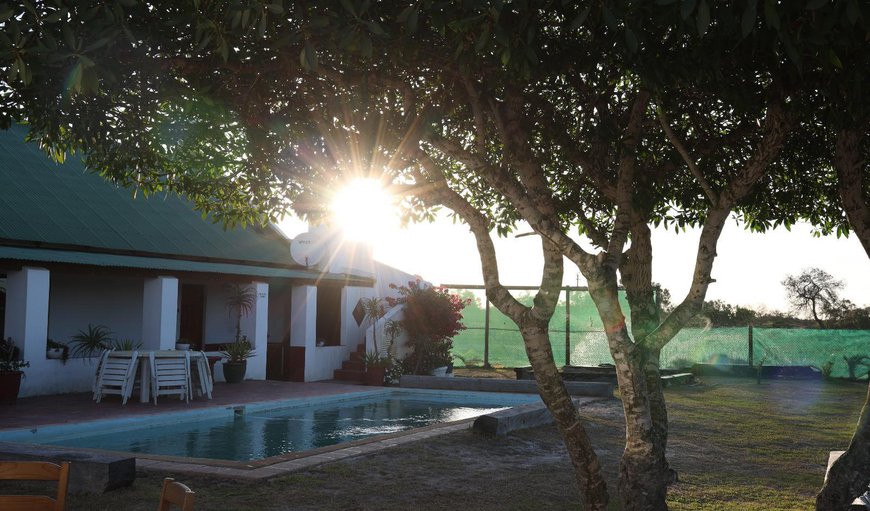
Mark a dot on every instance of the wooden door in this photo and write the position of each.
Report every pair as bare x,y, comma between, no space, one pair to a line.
191,318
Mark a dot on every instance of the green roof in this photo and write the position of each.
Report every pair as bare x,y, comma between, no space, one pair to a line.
158,263
64,207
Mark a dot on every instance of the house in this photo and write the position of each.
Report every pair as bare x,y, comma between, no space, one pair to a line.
77,250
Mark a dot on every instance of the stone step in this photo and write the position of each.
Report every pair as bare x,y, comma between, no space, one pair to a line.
353,365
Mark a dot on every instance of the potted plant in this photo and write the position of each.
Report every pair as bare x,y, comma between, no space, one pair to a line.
236,363
240,301
92,342
376,368
10,371
56,350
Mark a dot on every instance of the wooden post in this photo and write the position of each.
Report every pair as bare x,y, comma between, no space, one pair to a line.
751,347
567,326
486,337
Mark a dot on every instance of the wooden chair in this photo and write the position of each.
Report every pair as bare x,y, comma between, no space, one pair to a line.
177,494
35,471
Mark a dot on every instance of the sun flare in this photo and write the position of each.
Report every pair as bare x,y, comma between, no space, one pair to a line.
363,210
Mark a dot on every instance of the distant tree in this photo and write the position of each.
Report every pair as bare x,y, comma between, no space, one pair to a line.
723,314
816,292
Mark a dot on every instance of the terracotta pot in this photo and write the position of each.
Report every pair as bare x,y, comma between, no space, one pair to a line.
375,376
10,383
234,372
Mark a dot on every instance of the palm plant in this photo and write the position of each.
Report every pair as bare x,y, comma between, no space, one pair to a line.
88,343
373,310
240,301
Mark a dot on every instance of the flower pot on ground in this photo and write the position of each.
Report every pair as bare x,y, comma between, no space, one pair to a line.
376,368
10,371
234,372
440,371
237,355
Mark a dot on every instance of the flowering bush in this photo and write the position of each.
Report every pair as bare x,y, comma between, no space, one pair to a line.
432,318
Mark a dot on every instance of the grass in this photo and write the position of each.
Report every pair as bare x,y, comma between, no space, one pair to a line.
736,446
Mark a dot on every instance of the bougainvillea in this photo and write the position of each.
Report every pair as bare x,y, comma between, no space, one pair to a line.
433,316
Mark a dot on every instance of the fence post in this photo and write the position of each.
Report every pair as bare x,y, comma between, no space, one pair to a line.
751,347
567,326
486,337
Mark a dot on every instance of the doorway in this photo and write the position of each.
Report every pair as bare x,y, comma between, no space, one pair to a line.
191,312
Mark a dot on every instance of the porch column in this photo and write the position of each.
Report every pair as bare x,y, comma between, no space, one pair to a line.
160,313
27,311
256,325
303,331
303,316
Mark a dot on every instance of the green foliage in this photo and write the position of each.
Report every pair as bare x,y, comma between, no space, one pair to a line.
373,359
54,345
238,351
432,317
373,310
90,342
827,369
853,362
125,345
239,300
9,357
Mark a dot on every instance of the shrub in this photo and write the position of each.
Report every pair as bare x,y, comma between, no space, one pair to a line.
432,318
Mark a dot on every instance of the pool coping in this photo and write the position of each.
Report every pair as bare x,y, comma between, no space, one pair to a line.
281,464
276,466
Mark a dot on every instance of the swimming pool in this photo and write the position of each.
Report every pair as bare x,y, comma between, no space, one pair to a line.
262,430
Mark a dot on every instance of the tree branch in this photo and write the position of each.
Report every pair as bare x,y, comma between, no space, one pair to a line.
684,152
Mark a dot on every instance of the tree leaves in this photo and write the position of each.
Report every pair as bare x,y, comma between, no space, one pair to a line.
747,21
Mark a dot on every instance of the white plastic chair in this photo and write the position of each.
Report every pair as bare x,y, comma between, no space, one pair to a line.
203,375
97,372
116,375
170,374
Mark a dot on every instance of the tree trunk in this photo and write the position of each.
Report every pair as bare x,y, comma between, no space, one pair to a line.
643,472
554,394
850,474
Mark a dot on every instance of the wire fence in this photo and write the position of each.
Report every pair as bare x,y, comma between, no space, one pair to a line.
577,338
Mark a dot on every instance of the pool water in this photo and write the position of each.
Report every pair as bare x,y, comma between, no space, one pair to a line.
255,435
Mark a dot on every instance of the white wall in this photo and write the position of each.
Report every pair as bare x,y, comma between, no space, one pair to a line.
112,301
72,302
220,327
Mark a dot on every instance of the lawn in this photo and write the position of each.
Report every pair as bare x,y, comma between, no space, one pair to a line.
735,444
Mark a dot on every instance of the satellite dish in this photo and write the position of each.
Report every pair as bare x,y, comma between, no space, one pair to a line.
306,249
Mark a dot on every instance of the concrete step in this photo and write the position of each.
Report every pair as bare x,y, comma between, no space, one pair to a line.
348,375
353,365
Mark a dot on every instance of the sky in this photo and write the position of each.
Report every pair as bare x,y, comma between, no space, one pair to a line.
749,268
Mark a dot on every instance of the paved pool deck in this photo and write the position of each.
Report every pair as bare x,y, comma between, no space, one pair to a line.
79,408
